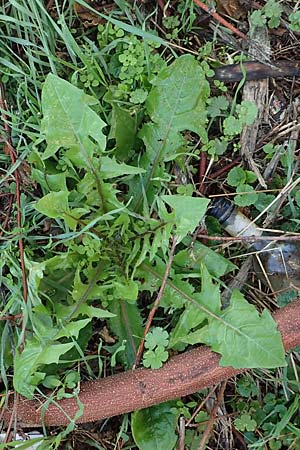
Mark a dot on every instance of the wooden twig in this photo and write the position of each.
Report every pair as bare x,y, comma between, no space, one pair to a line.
285,237
182,375
212,418
202,170
181,439
199,407
225,169
162,6
257,71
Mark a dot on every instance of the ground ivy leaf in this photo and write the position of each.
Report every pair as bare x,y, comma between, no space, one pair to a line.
247,112
68,121
245,338
154,428
232,126
188,212
236,176
247,197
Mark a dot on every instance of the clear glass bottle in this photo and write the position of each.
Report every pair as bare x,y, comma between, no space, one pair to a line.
276,263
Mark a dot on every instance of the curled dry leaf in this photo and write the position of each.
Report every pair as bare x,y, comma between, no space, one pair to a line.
232,8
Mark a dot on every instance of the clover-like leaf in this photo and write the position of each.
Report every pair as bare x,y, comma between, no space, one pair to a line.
236,176
156,337
247,195
245,423
155,358
247,112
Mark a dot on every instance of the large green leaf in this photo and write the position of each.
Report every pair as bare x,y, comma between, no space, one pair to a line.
26,376
192,258
243,337
154,428
193,316
54,204
188,212
50,181
123,129
127,325
68,121
177,290
176,103
43,351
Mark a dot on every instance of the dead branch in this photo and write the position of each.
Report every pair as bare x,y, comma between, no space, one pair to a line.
182,375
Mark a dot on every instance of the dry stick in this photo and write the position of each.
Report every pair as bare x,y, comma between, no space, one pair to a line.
7,213
220,19
255,92
181,444
212,418
225,169
162,6
9,426
202,170
249,238
156,304
199,407
182,375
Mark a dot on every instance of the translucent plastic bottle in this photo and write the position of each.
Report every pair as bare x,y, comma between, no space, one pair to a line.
276,263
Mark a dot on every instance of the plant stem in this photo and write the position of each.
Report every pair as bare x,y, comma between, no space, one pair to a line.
156,303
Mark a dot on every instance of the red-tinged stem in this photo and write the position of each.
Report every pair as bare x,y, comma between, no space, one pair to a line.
202,170
224,169
156,304
212,418
220,19
9,150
